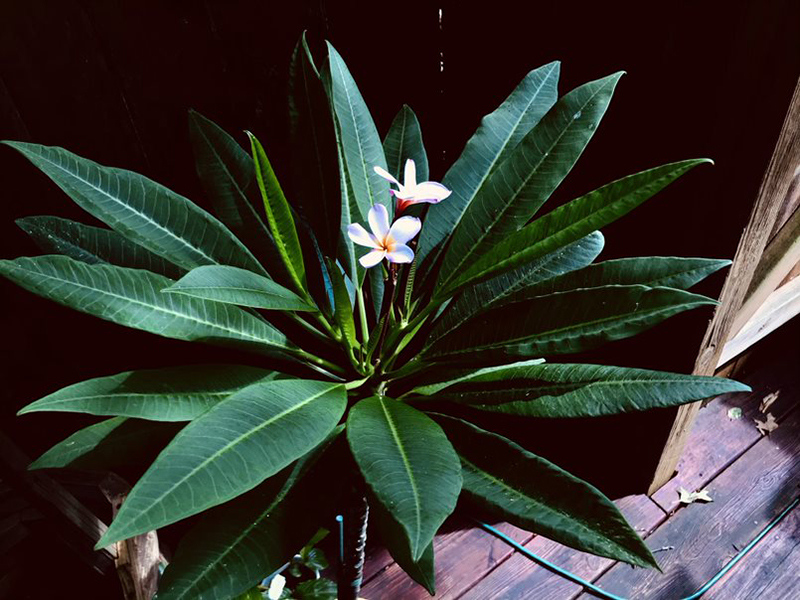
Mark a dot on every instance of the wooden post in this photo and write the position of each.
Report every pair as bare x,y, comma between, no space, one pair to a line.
768,206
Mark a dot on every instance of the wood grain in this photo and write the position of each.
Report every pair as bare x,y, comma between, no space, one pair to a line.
462,558
747,496
716,441
774,189
520,578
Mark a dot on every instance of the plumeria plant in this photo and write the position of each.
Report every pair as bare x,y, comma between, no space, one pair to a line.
382,352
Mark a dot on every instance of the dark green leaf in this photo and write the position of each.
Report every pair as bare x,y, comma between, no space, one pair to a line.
171,394
487,149
500,290
361,145
279,217
408,463
576,390
652,271
314,152
533,493
109,444
532,171
316,589
568,322
228,175
132,297
571,222
229,450
231,285
393,536
343,308
238,544
93,245
404,141
142,210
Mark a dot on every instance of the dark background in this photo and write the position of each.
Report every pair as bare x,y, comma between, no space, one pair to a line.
113,80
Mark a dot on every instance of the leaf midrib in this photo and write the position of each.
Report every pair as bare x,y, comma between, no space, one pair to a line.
484,232
409,472
153,307
128,207
233,443
641,314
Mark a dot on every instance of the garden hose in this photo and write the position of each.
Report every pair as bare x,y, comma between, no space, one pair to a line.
604,594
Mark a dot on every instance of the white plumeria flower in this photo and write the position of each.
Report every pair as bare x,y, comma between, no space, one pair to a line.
386,242
276,587
410,192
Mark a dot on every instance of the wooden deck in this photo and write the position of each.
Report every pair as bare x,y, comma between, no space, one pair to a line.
751,478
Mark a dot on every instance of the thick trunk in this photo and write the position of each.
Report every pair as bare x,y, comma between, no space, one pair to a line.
356,516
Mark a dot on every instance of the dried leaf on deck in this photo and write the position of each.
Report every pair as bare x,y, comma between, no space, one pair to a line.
687,497
767,426
767,401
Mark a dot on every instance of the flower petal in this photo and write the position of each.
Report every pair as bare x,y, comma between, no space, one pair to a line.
410,176
400,254
370,259
385,174
379,221
430,191
360,236
404,229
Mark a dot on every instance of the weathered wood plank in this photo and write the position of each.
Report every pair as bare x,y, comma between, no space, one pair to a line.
717,441
520,578
769,570
747,496
463,556
774,189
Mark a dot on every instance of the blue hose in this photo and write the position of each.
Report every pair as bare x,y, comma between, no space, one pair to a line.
608,595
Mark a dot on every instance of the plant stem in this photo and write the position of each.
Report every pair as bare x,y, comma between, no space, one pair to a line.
362,313
386,306
356,517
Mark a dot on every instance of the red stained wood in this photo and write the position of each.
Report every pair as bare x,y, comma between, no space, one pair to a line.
520,578
747,496
717,441
462,558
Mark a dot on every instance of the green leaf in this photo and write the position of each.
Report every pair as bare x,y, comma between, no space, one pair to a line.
238,544
578,390
568,322
570,222
171,394
314,150
229,450
316,589
133,298
231,285
652,271
408,463
93,245
533,493
142,210
109,444
393,536
343,308
487,149
251,594
532,171
502,289
279,217
404,141
361,145
228,176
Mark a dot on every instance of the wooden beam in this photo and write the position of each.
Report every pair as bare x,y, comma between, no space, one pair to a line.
769,202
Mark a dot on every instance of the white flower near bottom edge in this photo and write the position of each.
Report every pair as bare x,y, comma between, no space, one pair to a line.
386,242
410,192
